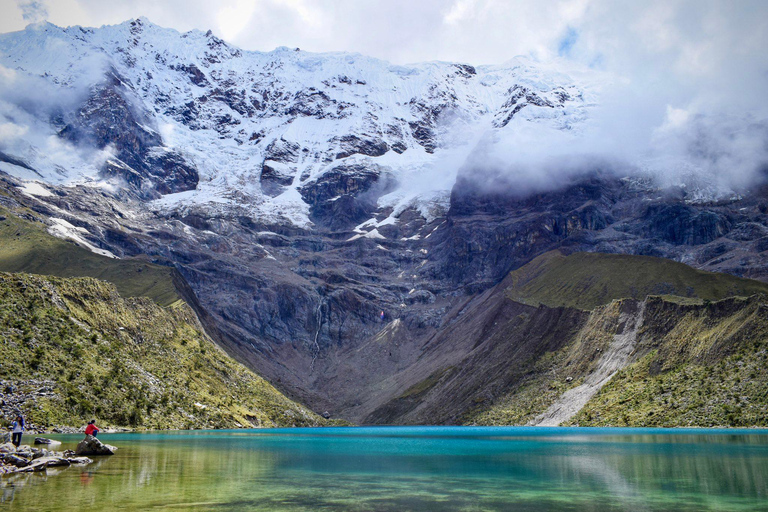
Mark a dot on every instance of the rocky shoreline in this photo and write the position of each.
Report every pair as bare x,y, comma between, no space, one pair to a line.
28,459
24,395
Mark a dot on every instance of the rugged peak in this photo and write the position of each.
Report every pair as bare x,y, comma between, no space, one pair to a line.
221,109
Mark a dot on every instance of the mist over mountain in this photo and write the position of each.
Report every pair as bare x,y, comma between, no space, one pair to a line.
335,213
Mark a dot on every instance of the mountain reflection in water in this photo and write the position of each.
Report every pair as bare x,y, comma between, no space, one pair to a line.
411,468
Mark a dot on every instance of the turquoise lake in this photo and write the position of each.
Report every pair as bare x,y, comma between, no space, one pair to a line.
410,468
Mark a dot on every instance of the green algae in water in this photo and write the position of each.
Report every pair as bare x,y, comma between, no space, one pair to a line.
411,468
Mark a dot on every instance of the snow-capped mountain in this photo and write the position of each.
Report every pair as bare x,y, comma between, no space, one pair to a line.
201,122
334,214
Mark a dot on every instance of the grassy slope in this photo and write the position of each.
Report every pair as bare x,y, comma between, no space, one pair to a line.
697,362
553,374
127,362
587,280
26,246
708,369
695,365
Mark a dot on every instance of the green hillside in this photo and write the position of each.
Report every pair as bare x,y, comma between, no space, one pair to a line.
695,365
75,349
697,357
587,280
26,246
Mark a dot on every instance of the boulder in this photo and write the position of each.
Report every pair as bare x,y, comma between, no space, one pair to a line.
92,446
43,440
79,460
24,451
19,462
7,448
38,452
5,438
36,466
53,461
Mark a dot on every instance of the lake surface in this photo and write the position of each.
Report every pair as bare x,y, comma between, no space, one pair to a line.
410,468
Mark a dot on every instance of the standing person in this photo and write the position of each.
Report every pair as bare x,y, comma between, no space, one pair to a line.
17,428
91,429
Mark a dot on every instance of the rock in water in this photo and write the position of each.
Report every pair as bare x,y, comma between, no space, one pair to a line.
35,467
53,461
19,462
42,440
92,446
79,460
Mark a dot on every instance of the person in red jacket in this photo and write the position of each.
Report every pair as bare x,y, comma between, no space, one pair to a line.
91,429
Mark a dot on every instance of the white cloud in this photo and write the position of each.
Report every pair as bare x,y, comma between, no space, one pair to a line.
33,11
10,131
460,11
7,76
676,117
166,131
233,19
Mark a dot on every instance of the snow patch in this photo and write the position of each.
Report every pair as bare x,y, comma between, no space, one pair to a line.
374,233
63,229
35,189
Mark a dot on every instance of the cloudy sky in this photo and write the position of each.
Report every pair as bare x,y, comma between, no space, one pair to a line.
678,46
690,36
687,66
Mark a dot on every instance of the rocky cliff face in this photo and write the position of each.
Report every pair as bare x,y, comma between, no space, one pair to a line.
317,204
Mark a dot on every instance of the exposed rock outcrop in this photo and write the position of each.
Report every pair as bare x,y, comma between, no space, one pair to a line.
93,446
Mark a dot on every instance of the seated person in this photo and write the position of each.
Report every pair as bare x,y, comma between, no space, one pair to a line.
91,429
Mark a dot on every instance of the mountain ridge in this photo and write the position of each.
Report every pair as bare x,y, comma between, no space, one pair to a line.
223,90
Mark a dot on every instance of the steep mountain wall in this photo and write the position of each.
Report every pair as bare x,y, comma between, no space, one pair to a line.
511,363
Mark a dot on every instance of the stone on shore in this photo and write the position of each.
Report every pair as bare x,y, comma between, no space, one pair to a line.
92,446
35,467
25,451
38,460
19,462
